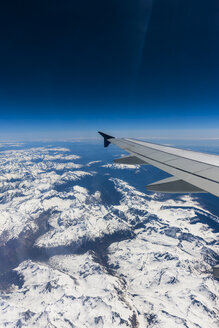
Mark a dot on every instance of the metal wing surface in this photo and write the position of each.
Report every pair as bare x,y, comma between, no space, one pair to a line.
190,171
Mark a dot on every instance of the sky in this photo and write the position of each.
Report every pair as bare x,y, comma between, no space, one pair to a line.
69,68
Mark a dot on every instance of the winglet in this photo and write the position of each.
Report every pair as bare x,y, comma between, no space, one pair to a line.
106,137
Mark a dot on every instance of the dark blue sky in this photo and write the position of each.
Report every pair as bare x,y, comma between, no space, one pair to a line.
118,64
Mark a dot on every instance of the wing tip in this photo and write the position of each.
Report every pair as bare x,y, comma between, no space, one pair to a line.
106,138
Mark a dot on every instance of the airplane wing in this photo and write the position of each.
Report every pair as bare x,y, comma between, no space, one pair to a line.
190,171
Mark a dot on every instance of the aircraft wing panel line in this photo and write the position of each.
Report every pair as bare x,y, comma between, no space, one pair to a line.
210,159
209,184
198,169
175,167
177,157
199,181
212,173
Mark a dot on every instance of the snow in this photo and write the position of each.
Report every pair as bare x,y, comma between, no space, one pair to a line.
26,184
166,274
70,291
158,274
93,162
121,166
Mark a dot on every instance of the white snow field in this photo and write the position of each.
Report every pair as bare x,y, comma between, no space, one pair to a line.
144,262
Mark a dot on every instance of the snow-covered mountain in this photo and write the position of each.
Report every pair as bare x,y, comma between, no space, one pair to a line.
82,246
